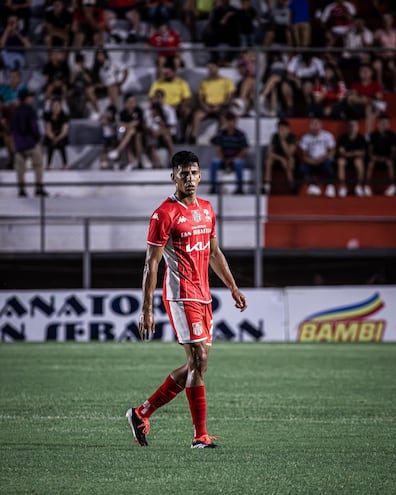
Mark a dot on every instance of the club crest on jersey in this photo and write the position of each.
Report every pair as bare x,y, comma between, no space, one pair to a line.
196,214
197,328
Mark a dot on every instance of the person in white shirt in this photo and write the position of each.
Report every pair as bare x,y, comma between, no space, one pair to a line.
318,149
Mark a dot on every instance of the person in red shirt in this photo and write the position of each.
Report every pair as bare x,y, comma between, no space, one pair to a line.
365,99
165,37
182,231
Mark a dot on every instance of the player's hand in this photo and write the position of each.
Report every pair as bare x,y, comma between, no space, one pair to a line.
240,299
146,325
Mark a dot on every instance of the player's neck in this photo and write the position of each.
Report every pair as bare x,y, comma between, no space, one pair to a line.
186,199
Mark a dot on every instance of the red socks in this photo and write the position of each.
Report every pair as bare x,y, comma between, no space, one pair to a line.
197,402
164,394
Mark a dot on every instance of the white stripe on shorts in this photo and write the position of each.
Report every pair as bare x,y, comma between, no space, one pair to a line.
180,323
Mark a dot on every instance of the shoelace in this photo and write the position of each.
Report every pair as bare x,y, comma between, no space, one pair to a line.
206,439
145,426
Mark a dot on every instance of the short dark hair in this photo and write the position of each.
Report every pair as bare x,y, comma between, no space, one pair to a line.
182,158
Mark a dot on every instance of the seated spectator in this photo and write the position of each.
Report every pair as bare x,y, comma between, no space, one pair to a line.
177,94
157,133
318,148
281,151
274,76
386,60
357,37
222,28
195,11
337,20
382,149
301,22
303,70
56,135
9,91
156,12
246,87
57,75
57,25
329,96
12,42
128,10
26,137
169,112
365,99
279,30
108,77
109,127
248,19
215,93
131,133
21,9
89,24
5,133
231,149
351,153
82,90
165,37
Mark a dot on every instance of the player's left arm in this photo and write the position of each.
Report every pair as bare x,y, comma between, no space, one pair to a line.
219,265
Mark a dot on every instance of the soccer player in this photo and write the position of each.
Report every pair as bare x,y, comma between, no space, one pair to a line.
182,230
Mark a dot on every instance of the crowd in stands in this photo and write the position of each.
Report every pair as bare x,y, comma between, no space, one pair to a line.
346,74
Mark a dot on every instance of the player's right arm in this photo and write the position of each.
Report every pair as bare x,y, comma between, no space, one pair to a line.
150,275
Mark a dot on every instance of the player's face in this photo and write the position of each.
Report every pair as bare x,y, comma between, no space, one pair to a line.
187,178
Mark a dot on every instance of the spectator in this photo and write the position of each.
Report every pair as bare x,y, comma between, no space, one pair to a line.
301,22
56,135
382,148
12,42
231,149
351,153
246,88
165,37
195,11
125,10
169,112
365,99
131,133
337,19
158,133
386,60
281,151
9,91
248,19
156,12
329,96
273,79
108,77
57,25
222,28
57,75
177,94
279,30
358,37
82,90
303,70
109,127
215,93
21,9
318,148
89,24
5,134
26,136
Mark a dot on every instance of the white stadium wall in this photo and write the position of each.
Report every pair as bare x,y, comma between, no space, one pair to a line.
325,314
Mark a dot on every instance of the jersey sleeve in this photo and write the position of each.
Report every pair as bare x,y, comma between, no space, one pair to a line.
159,228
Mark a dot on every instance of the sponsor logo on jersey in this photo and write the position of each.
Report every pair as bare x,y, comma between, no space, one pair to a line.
198,246
197,328
196,214
155,216
353,323
181,219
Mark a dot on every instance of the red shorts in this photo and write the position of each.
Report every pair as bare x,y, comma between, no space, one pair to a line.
191,321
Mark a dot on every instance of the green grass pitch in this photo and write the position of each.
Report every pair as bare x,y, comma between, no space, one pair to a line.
294,419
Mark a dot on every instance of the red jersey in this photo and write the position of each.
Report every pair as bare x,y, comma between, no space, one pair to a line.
169,40
369,90
185,231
